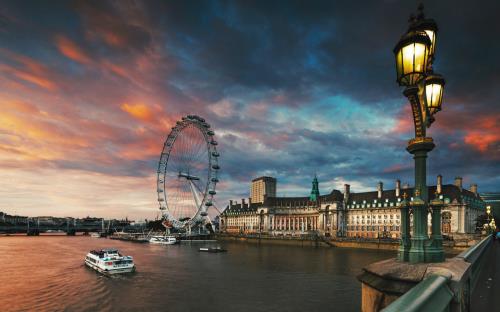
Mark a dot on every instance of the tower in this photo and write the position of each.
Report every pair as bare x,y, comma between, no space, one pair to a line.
315,190
261,188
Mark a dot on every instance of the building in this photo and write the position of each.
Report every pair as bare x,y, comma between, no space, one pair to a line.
346,214
261,188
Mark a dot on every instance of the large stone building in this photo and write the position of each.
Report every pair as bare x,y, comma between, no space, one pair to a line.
347,214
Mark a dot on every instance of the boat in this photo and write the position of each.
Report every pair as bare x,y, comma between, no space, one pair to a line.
212,249
95,235
163,240
109,261
130,237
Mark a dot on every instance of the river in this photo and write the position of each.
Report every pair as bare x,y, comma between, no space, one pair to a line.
47,274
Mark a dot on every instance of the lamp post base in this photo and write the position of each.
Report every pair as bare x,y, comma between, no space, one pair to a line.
403,252
417,250
434,251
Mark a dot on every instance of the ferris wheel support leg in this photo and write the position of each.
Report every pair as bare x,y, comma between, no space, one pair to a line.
195,193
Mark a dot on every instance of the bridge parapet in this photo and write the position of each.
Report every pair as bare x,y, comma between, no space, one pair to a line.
447,286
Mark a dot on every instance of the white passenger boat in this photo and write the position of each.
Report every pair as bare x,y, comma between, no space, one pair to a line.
95,235
109,261
163,240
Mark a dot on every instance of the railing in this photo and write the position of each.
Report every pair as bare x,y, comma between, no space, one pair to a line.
437,292
432,294
475,256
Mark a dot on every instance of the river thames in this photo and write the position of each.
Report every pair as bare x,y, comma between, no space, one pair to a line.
47,274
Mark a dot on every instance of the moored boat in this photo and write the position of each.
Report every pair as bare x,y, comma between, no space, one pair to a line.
163,240
109,261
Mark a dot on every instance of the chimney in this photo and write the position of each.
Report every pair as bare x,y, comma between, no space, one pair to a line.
458,182
230,203
406,186
380,188
439,185
347,190
473,188
249,200
242,202
398,187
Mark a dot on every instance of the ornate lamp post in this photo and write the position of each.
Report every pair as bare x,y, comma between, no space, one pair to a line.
415,53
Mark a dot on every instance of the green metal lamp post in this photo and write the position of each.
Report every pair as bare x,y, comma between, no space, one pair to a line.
424,90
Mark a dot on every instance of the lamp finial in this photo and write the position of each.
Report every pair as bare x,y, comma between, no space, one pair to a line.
420,8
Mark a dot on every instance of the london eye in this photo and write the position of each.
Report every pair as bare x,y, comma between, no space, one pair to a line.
188,174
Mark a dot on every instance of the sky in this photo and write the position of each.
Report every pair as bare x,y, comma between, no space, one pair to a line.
89,91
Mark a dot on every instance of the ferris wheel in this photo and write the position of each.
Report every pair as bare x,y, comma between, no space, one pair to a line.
187,173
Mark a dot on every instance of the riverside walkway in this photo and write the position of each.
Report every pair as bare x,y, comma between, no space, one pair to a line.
486,295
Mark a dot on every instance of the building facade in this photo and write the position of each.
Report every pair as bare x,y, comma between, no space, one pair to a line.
346,214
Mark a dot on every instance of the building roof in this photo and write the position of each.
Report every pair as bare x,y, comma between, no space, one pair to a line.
265,178
242,208
334,196
450,191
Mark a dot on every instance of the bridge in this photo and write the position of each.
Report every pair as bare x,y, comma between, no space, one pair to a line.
70,227
471,283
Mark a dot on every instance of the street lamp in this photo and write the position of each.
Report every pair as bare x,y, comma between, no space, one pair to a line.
434,85
412,57
415,53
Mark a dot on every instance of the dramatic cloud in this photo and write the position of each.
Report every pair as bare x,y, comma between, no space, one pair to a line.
71,50
89,90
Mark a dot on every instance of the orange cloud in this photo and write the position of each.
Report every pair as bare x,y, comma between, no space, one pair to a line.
28,70
115,69
486,134
39,81
138,111
481,141
69,49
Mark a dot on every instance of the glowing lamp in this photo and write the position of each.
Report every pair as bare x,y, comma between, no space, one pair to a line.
433,93
428,26
412,56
